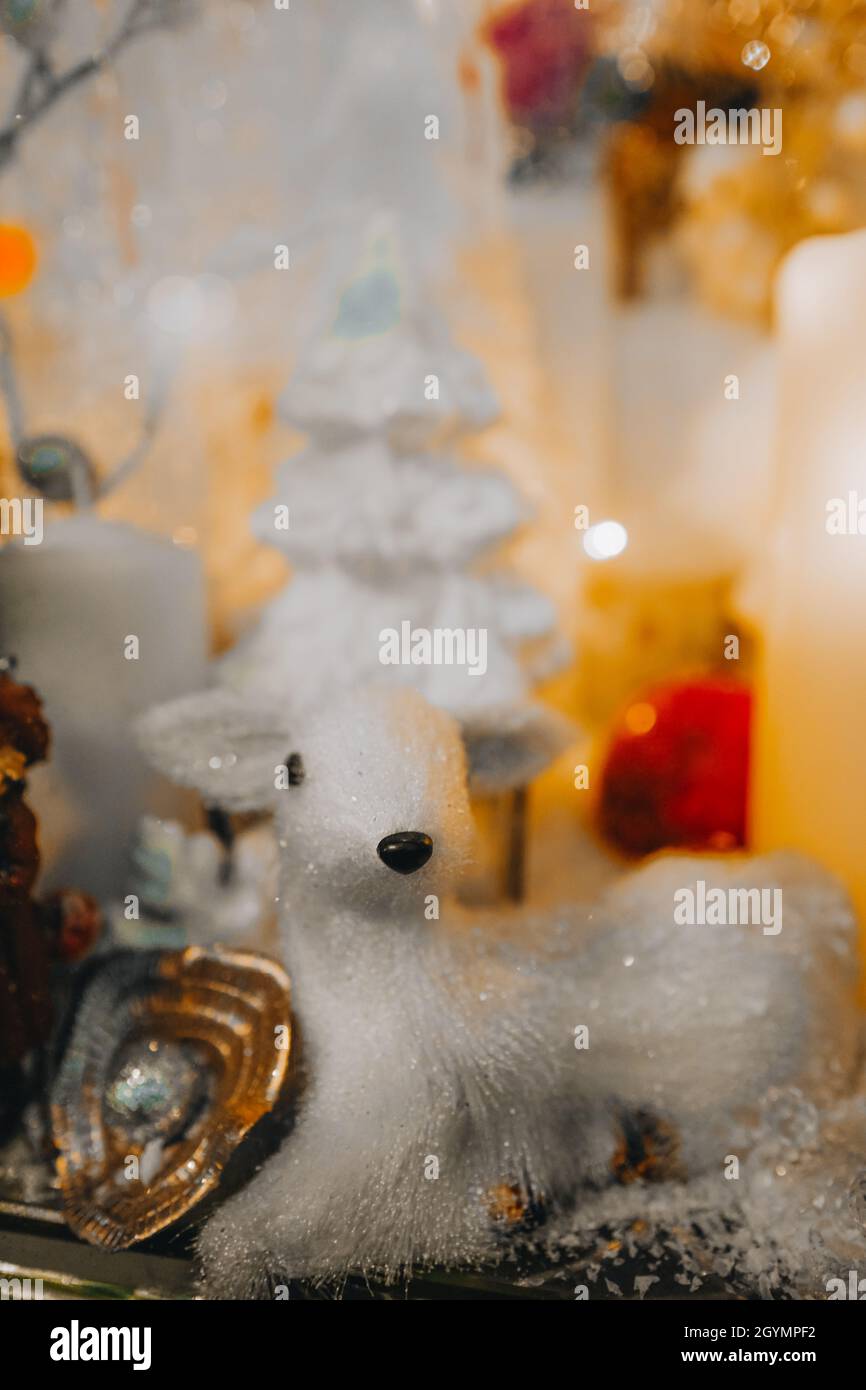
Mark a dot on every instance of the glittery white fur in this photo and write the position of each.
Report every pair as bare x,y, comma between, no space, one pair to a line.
439,1052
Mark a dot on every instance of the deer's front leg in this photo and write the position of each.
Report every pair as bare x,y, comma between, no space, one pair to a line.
294,1220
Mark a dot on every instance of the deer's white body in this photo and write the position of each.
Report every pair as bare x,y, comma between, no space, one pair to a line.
439,1046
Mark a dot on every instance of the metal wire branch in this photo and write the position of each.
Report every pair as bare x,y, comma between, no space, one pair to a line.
41,87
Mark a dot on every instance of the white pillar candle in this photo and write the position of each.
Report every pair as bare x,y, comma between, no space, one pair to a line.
809,782
694,414
67,609
562,236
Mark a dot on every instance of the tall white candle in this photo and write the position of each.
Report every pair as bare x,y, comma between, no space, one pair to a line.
67,609
694,412
809,784
562,237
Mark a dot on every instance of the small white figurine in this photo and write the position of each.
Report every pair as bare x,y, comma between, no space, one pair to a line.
392,537
461,1068
189,889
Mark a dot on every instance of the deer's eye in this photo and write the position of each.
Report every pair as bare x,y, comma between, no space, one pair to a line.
295,765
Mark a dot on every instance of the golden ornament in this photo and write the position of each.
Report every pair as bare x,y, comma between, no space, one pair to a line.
173,1059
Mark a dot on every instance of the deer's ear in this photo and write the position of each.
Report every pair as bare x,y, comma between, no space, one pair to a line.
223,746
515,747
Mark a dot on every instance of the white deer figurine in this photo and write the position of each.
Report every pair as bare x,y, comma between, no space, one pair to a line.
457,1064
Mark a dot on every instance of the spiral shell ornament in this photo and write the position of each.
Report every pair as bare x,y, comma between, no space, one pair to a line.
174,1057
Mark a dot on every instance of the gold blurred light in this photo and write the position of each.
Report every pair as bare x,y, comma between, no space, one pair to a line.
756,55
744,11
636,69
784,30
640,718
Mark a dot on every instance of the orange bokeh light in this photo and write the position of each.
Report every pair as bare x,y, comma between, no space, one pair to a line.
17,259
640,718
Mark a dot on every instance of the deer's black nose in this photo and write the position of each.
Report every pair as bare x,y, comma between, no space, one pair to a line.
405,850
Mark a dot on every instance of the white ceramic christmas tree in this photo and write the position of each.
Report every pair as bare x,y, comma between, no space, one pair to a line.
389,535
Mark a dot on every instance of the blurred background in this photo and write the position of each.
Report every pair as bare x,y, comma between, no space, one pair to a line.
202,203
